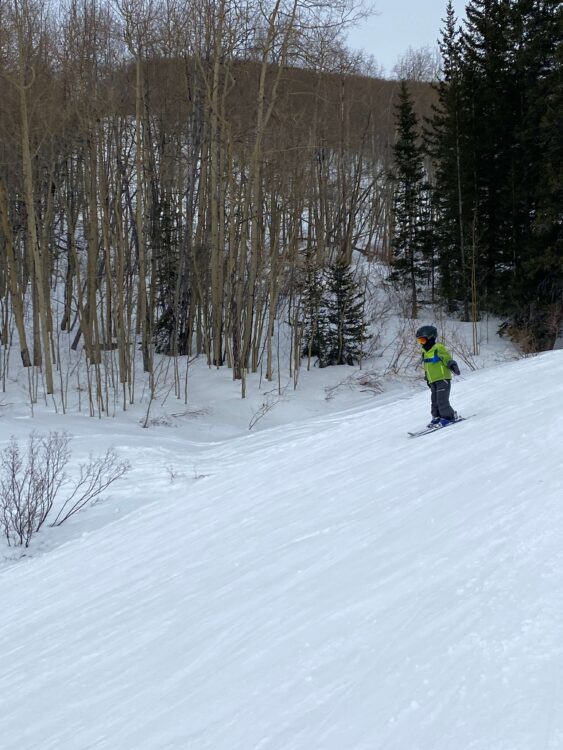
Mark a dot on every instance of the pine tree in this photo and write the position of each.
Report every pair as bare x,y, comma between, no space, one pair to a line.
497,136
548,223
315,317
452,195
489,98
335,330
345,312
538,282
408,199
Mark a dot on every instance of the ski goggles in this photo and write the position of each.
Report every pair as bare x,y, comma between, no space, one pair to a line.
421,339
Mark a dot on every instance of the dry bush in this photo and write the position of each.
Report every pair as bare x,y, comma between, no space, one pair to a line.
95,477
30,482
404,356
536,329
461,349
523,337
365,380
369,381
271,398
379,312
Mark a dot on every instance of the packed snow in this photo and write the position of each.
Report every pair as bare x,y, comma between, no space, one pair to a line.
319,582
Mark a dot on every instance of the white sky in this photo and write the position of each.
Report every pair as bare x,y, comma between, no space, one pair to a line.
401,24
329,584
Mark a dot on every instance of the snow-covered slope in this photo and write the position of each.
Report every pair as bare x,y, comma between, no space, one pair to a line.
329,585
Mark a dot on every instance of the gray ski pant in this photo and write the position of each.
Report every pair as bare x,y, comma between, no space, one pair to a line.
440,398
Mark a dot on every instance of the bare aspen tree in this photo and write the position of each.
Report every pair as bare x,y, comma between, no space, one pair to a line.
84,52
138,17
216,208
28,23
11,272
421,64
278,34
195,161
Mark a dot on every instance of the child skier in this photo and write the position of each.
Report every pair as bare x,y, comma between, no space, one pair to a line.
438,367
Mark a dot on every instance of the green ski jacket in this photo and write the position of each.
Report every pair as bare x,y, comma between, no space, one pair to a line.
436,362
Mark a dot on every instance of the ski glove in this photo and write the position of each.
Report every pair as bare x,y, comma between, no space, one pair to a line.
453,366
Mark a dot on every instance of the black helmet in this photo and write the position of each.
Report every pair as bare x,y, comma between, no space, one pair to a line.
427,332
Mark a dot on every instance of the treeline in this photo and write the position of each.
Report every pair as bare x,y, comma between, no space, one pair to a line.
171,175
181,179
479,191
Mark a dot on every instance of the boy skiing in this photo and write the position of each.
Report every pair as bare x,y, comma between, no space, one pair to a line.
438,367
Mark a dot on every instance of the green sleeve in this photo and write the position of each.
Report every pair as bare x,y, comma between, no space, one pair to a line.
444,354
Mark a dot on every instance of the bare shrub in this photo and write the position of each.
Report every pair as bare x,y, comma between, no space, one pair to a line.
365,381
524,338
461,349
30,483
268,404
403,354
534,330
420,64
95,477
173,420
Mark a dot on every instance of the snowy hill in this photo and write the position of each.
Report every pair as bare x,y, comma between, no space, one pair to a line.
326,585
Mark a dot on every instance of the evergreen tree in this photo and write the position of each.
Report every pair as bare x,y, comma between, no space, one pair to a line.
315,318
408,240
497,138
452,196
489,97
538,282
345,312
335,330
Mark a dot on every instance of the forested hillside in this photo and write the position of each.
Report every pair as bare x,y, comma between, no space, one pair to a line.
180,180
498,147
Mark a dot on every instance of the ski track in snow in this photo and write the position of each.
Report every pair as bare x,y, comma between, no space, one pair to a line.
329,585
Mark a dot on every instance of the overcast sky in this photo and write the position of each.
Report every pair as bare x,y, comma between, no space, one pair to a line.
401,24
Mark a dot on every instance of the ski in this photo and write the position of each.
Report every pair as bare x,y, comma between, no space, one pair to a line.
428,430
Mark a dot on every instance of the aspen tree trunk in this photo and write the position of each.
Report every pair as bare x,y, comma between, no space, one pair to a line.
231,319
237,299
200,263
320,207
342,178
139,17
45,236
142,312
16,294
185,298
319,221
81,301
69,202
89,322
108,328
273,288
37,259
122,322
216,217
254,203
